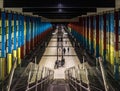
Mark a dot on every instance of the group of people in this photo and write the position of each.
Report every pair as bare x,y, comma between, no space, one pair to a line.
59,39
61,49
59,63
64,50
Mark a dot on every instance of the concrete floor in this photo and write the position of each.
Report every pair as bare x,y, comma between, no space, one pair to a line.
49,57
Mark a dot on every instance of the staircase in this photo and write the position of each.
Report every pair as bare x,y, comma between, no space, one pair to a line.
58,85
33,78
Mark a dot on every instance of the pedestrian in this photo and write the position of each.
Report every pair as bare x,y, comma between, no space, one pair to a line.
68,49
64,50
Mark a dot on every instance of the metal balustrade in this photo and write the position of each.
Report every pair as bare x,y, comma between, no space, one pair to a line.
82,79
33,78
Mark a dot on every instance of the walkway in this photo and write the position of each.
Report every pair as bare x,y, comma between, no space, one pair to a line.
50,56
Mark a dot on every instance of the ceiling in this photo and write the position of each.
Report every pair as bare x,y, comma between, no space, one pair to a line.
59,9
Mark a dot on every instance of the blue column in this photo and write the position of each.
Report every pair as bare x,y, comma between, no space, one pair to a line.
19,31
22,30
10,33
3,52
15,29
27,27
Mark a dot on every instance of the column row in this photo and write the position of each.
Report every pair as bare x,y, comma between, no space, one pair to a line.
19,34
100,36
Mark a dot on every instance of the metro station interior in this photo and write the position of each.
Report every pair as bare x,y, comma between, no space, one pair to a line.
60,45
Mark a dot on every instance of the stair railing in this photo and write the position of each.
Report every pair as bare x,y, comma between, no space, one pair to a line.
46,76
75,81
11,75
103,74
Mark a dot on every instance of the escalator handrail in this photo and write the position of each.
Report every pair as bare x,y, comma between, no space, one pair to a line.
24,72
43,80
11,75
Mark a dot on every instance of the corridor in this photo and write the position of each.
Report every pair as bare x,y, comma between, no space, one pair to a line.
50,56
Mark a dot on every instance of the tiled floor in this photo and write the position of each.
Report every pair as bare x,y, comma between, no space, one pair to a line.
49,57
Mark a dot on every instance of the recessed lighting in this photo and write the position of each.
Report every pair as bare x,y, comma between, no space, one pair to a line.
59,5
60,10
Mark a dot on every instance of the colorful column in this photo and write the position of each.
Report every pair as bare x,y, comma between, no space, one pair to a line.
27,34
15,36
91,34
101,35
19,38
88,33
85,33
97,36
104,41
94,34
112,35
116,63
108,38
3,45
22,37
9,54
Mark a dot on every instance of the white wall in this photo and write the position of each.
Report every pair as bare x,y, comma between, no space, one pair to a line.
28,13
104,9
91,13
1,3
14,9
117,3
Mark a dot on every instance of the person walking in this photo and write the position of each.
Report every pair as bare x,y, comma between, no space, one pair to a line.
68,49
64,50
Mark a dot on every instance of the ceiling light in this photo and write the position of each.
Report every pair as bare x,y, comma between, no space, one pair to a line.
59,5
60,10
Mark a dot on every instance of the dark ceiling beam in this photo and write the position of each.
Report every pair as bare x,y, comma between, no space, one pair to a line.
55,10
54,3
59,14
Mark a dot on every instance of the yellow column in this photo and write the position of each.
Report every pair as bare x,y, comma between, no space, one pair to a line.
19,56
9,63
15,55
2,68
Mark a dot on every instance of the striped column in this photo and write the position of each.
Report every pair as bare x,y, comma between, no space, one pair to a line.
116,67
104,41
107,39
87,33
94,34
84,28
27,34
91,34
32,34
22,37
3,45
15,45
112,35
19,38
9,54
101,35
97,36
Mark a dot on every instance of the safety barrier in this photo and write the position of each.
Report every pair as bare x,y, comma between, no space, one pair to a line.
82,79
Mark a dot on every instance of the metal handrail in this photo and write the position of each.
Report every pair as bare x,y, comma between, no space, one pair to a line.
71,78
11,75
103,74
46,78
23,73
